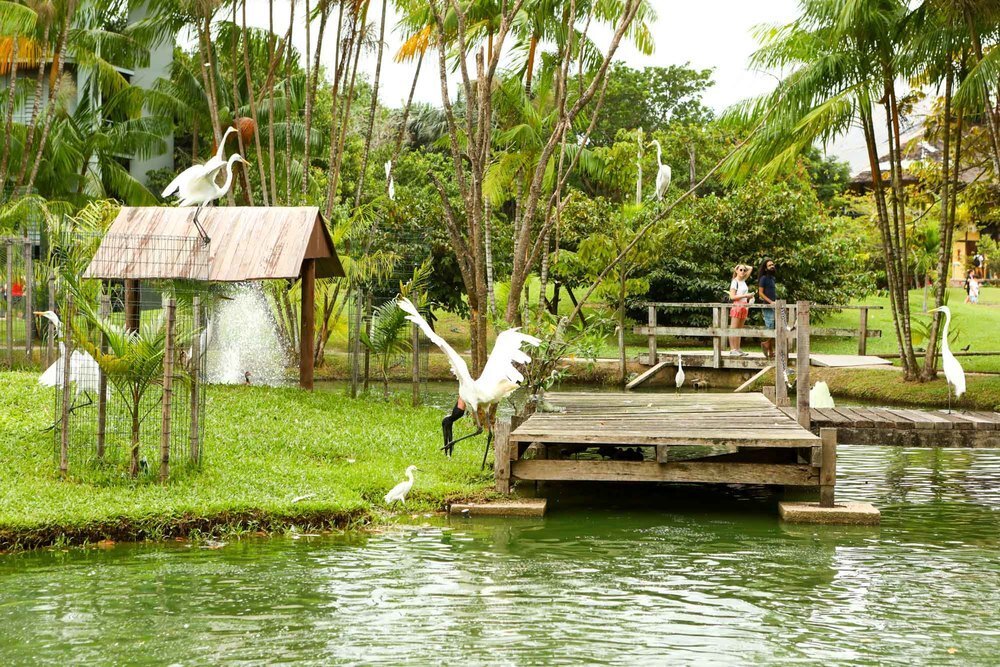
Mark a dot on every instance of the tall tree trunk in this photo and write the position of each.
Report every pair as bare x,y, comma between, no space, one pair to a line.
529,71
374,107
340,54
11,104
54,89
244,176
288,107
345,115
272,47
406,111
248,77
490,295
992,116
312,82
29,135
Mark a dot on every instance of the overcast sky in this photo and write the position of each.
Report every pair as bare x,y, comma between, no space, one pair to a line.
713,34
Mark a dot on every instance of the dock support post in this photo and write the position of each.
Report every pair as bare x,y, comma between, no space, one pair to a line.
133,313
166,403
501,455
653,357
802,364
780,354
863,333
828,468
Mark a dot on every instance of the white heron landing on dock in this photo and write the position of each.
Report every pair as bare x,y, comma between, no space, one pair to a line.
953,372
499,378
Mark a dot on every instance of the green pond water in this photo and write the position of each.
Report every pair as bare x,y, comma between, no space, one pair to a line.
673,576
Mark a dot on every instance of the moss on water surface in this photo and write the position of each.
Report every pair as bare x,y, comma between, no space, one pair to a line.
264,448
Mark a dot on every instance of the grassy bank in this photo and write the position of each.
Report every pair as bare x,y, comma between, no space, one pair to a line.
264,448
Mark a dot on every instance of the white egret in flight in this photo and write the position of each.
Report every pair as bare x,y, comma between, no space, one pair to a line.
400,490
499,378
663,174
953,371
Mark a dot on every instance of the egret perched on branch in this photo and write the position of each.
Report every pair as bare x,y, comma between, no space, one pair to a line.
953,372
499,378
196,186
400,490
663,174
84,372
388,178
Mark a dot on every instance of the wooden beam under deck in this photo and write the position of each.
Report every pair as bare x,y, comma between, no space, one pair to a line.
651,471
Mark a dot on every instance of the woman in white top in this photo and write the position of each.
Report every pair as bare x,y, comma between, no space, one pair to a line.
740,295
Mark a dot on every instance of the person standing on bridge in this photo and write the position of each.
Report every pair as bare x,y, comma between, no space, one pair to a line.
767,290
740,296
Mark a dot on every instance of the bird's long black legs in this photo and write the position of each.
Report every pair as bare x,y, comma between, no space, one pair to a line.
201,230
949,397
72,408
446,428
489,440
479,429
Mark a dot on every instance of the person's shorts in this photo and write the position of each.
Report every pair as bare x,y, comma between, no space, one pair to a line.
768,314
739,312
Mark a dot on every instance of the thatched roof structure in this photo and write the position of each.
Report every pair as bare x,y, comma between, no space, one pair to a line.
247,243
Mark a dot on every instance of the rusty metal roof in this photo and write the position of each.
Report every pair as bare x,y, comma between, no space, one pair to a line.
247,243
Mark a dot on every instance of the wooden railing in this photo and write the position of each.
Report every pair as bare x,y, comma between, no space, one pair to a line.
719,331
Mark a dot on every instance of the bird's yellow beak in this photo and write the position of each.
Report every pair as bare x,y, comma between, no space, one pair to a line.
39,313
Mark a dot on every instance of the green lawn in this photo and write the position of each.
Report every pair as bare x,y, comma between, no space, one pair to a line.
264,448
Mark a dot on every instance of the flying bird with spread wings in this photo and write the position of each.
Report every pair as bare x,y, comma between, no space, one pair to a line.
499,379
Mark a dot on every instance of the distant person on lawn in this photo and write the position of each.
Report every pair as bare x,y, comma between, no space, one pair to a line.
740,295
767,290
979,265
973,289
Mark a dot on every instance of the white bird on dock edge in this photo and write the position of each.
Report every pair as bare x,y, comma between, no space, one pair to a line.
820,396
400,490
953,372
679,378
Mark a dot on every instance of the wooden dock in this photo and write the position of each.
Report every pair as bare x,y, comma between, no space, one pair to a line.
907,428
701,438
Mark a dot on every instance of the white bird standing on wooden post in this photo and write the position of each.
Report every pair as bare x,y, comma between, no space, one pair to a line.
400,490
196,186
84,373
663,174
679,378
953,372
499,378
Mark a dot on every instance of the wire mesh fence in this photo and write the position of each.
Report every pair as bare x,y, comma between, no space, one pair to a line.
24,289
131,401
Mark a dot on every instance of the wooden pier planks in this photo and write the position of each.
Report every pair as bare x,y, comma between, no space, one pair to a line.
741,420
901,418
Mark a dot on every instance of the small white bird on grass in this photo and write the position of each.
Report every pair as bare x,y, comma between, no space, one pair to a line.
953,371
400,490
679,378
84,373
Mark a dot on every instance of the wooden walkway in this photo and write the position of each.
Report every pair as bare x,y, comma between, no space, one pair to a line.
915,428
756,360
726,438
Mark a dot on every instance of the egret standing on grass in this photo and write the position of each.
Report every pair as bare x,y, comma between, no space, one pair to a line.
662,174
84,372
400,490
499,378
196,186
953,372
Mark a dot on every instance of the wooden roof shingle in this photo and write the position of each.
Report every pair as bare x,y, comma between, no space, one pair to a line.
247,243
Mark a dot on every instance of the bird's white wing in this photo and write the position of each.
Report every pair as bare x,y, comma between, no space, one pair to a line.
180,179
84,370
458,365
398,492
506,352
52,377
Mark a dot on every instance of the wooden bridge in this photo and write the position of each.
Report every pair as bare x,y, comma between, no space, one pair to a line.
703,438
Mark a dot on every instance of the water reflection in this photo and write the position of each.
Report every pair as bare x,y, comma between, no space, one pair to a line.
690,578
